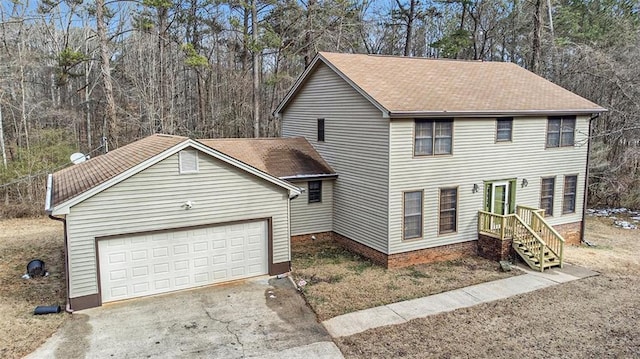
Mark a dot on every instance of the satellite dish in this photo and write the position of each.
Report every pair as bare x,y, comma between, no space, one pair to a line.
78,158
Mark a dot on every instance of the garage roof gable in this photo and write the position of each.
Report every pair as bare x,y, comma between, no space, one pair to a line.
75,184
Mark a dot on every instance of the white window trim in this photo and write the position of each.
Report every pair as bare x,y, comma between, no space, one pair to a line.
420,213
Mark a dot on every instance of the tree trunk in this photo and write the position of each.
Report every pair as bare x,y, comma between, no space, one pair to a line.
162,86
87,95
309,36
410,17
256,69
2,145
536,47
111,126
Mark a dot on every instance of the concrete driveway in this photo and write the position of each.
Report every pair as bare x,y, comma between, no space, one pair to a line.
256,318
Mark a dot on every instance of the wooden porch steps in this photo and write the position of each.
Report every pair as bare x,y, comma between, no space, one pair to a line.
534,239
549,259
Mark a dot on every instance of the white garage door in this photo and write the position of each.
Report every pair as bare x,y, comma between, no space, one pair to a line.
140,265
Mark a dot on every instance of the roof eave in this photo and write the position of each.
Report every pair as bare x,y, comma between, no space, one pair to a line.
434,114
64,207
309,177
303,78
294,89
293,190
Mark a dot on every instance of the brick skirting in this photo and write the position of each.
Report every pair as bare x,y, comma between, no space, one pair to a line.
436,254
494,249
570,232
398,260
485,246
304,238
375,256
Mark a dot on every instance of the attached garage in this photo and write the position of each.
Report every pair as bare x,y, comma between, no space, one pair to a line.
145,264
167,213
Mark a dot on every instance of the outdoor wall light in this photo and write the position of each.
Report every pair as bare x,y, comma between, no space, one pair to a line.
188,205
525,183
475,188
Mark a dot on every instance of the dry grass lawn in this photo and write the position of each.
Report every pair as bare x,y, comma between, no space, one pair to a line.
340,282
595,317
22,240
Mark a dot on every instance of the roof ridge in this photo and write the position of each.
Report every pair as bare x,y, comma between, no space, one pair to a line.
167,135
248,138
400,57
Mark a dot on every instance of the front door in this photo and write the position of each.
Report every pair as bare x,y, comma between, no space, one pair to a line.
500,198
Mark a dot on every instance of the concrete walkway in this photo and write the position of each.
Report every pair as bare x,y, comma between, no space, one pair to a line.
402,312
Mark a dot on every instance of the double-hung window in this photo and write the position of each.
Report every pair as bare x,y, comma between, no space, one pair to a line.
412,215
448,210
560,131
569,196
546,195
433,137
315,191
504,128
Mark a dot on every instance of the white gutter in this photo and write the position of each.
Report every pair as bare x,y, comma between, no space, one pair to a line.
471,113
48,196
297,177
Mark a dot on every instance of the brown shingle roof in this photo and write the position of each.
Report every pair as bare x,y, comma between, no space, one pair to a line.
285,158
405,85
74,180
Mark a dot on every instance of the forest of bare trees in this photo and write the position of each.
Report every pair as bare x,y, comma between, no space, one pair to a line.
86,75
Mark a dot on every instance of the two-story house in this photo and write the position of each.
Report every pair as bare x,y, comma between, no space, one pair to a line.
423,147
403,160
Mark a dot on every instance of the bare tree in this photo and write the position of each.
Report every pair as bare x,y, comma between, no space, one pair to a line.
110,126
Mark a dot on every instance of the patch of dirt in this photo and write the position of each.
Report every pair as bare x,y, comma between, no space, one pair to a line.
22,240
340,282
590,318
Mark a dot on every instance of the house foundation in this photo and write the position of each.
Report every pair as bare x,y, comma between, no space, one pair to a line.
495,249
485,246
405,259
571,232
305,238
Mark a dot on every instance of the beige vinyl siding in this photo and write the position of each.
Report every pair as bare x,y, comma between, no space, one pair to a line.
312,217
356,146
477,158
152,200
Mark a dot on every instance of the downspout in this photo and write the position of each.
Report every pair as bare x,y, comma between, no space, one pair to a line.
583,224
66,261
49,210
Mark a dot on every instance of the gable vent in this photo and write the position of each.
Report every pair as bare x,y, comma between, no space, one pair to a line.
188,161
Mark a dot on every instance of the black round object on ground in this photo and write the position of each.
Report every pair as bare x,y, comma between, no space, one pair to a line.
35,268
47,309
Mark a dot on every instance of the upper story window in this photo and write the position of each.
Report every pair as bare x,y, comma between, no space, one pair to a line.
433,137
315,191
546,195
321,130
560,131
504,128
188,161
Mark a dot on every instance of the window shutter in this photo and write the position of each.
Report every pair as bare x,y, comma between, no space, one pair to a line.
487,198
512,195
